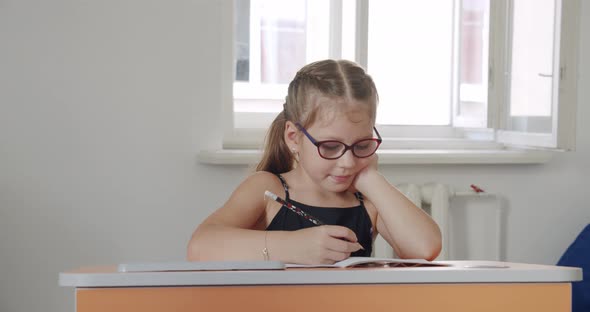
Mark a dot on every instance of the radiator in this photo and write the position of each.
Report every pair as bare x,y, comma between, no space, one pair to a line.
436,199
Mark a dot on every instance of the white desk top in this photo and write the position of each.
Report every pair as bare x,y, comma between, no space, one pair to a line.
456,272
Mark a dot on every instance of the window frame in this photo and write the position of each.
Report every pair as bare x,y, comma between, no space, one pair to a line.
562,137
426,139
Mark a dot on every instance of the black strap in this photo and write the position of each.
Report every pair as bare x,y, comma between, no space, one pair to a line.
359,196
284,186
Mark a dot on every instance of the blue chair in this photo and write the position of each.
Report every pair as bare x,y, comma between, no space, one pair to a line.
578,255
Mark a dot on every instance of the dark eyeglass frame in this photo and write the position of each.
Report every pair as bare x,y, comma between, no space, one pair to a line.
346,146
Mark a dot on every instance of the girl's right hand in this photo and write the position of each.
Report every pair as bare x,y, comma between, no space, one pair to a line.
323,244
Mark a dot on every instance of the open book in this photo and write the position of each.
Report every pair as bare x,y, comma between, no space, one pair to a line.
352,262
369,262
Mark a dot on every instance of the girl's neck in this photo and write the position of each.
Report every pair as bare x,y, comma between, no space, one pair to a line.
306,191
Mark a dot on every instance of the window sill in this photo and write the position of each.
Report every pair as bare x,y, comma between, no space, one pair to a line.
400,157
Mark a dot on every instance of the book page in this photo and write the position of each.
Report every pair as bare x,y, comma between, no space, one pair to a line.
370,262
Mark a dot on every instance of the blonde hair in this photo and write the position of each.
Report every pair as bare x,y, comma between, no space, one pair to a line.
327,78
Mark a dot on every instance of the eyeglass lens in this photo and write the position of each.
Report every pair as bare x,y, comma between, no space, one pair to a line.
334,149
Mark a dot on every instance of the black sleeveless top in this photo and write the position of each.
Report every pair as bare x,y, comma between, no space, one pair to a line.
355,218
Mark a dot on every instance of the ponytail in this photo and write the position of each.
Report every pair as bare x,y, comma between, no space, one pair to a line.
276,157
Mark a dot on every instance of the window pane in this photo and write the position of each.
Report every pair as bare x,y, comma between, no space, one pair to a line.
242,39
270,40
531,68
274,39
410,52
282,39
349,29
473,62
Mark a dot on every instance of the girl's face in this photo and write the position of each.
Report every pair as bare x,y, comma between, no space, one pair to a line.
336,175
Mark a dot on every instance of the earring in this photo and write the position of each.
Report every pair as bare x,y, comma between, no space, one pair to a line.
295,154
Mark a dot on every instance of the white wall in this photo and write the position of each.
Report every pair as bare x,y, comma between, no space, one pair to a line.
103,105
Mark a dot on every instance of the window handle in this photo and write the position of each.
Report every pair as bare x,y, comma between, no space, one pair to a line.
545,75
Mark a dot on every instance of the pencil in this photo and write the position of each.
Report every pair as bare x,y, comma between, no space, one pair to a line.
296,210
292,207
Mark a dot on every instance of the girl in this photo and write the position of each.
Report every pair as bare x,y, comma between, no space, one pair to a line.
320,157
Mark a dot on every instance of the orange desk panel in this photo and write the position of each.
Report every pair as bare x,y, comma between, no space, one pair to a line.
506,297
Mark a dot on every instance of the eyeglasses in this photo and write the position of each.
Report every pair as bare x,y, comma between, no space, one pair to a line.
332,149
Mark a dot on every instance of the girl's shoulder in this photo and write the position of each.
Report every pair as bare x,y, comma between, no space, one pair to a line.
263,177
261,181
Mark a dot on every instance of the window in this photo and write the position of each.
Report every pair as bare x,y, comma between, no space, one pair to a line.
490,74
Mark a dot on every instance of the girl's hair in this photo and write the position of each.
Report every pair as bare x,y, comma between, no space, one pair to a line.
328,78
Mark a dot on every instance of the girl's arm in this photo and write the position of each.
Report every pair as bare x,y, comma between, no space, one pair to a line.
233,232
410,231
236,231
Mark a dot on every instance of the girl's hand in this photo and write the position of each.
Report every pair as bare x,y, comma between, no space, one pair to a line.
323,244
362,180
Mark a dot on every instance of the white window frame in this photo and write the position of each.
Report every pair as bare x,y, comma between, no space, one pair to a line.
490,145
565,77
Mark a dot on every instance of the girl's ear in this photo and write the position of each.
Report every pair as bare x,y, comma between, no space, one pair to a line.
292,136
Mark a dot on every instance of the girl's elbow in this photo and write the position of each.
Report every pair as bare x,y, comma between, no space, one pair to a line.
192,253
427,249
193,249
433,252
433,249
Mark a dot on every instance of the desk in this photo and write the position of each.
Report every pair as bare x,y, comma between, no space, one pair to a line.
457,287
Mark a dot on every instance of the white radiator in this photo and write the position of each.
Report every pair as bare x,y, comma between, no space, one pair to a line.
437,197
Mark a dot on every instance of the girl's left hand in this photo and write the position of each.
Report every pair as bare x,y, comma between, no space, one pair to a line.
362,179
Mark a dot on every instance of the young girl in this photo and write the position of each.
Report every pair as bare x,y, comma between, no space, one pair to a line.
319,157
